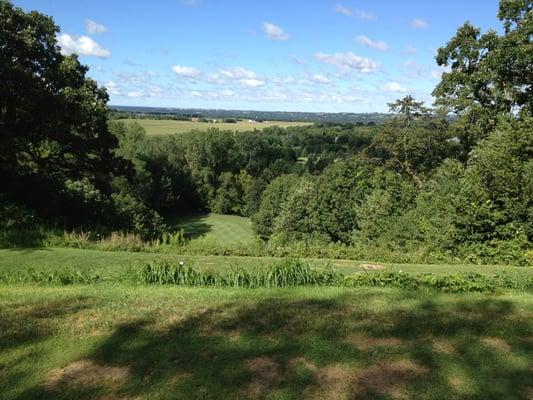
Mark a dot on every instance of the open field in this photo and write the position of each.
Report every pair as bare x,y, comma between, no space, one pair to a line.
226,229
121,342
112,264
165,127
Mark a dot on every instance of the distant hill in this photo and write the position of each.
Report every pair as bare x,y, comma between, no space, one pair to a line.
365,118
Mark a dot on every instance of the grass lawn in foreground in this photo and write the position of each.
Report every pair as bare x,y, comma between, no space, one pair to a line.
122,342
167,127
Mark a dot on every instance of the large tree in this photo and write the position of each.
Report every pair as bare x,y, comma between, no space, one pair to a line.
53,118
490,75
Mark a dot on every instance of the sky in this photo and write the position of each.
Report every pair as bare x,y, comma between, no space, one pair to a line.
279,55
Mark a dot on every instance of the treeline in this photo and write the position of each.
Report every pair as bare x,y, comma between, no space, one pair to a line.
289,116
450,182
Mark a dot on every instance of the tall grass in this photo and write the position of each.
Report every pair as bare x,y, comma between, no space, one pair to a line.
285,273
63,277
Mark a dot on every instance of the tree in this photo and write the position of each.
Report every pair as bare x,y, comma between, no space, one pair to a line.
53,119
414,142
490,75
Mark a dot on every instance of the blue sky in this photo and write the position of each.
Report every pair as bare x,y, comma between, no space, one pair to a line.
289,55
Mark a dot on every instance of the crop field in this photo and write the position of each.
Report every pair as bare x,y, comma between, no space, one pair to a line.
166,127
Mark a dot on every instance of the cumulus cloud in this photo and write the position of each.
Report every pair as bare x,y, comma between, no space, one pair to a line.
274,32
81,45
252,82
346,62
418,23
354,13
394,87
112,87
94,28
375,44
409,49
186,72
318,78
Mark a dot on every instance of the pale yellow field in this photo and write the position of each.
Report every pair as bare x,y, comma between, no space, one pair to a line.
165,127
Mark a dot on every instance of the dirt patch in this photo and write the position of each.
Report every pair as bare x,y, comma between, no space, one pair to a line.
336,382
389,379
86,374
457,383
496,343
371,267
365,343
443,346
265,372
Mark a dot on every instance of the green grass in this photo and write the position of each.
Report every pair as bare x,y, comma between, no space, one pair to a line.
166,127
111,264
117,341
224,229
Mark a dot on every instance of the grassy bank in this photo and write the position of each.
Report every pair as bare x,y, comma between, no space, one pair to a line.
122,342
110,264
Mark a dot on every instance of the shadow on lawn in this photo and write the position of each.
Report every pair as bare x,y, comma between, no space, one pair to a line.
322,349
193,226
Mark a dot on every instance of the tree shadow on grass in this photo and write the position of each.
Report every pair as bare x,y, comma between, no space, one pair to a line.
193,226
23,328
336,348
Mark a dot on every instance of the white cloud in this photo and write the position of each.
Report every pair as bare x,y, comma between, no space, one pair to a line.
274,32
253,83
135,94
112,87
237,73
346,62
81,45
354,13
186,72
94,28
394,87
418,23
364,15
375,44
409,49
343,10
320,79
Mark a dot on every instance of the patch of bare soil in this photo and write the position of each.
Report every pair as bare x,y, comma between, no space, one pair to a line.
497,344
266,373
371,267
86,373
443,346
388,379
336,382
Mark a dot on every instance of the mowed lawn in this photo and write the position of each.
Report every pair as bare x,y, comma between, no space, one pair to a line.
166,127
124,342
112,265
226,229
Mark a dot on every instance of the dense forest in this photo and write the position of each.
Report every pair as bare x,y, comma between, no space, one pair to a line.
452,181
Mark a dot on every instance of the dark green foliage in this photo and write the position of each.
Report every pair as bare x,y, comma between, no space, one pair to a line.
53,123
272,200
